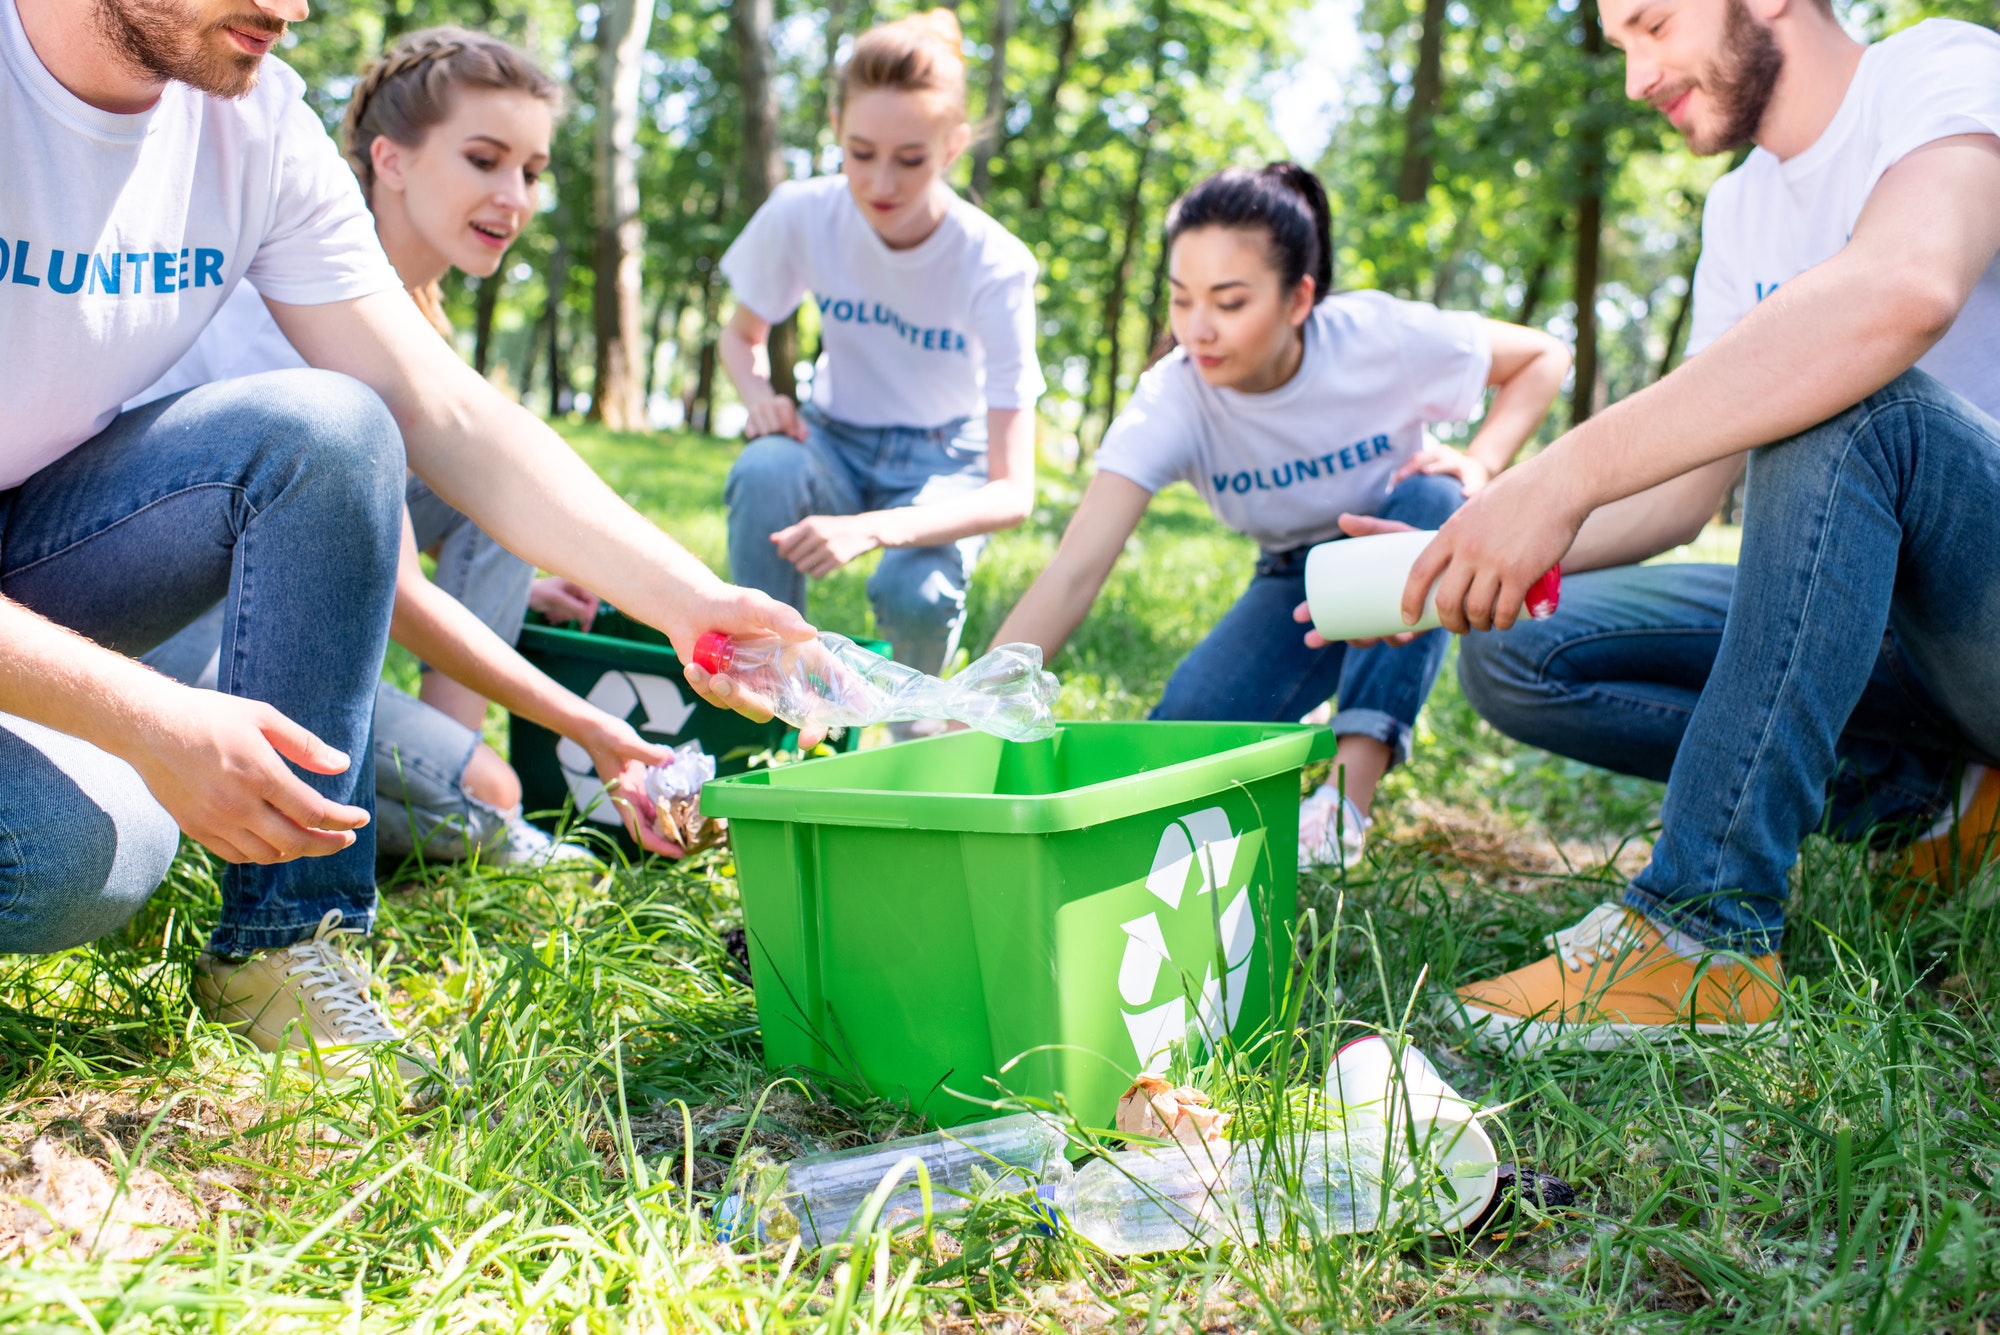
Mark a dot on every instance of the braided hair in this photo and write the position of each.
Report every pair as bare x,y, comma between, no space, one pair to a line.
408,92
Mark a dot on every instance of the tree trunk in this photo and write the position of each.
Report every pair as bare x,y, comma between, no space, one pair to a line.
1121,276
656,330
1677,330
483,307
829,70
1537,281
1156,306
700,414
762,168
617,399
1052,100
993,134
1426,95
552,322
1589,225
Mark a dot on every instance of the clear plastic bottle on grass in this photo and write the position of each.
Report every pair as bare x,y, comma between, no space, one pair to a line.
1138,1201
834,683
820,1194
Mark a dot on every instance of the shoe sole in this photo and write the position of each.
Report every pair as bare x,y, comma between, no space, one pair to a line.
1497,1032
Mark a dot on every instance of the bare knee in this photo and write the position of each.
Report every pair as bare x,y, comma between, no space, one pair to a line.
491,780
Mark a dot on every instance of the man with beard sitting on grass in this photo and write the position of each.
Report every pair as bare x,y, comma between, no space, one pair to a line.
1845,348
155,157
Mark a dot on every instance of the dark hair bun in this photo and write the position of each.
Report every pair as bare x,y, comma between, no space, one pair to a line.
1284,200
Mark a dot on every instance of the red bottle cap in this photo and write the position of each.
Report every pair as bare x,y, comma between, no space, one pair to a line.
714,651
1545,594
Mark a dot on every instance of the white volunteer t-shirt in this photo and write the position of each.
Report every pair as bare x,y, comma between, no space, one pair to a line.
241,340
916,337
1769,221
1282,467
120,237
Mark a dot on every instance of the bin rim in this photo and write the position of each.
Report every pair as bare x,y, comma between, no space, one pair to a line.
1272,748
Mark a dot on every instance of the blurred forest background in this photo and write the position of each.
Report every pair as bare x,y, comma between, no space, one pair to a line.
1480,154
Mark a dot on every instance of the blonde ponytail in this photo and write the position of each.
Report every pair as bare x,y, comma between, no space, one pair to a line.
919,54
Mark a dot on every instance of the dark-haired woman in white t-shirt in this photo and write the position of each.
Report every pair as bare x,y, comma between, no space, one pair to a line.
1287,408
919,437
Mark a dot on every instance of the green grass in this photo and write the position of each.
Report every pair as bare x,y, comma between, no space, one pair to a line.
1845,1182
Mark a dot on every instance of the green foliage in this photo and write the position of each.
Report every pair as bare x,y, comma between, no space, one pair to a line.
1112,108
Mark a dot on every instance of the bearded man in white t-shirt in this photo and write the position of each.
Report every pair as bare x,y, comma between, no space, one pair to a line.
154,158
1845,348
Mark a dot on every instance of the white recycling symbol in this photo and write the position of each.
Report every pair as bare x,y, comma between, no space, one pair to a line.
1203,844
618,694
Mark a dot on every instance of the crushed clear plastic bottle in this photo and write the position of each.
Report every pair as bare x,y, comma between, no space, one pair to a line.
1138,1201
834,683
820,1194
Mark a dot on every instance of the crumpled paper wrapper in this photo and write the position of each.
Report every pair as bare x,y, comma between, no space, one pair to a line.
675,788
1152,1107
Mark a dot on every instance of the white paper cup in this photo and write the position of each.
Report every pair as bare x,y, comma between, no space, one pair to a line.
1423,1117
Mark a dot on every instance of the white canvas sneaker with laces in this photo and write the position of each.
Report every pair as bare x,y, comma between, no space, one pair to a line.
528,846
1332,830
308,997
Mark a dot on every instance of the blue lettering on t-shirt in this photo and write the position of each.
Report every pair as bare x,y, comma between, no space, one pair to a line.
56,283
21,274
113,273
1297,471
845,311
1766,289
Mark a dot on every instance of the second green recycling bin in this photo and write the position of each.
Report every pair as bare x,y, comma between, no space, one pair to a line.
944,918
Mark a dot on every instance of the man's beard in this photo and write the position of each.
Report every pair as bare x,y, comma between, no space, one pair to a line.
1740,83
163,38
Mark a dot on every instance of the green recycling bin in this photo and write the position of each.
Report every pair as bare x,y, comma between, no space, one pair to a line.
1054,916
628,669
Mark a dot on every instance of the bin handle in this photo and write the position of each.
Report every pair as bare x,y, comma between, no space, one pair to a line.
806,814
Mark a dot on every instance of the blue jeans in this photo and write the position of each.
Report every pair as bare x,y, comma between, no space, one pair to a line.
471,567
420,797
918,593
256,489
1837,678
420,752
82,843
1255,667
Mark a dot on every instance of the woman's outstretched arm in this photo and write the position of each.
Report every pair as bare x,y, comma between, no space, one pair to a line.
1059,599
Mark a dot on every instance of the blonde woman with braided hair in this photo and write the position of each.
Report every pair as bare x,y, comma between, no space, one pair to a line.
448,133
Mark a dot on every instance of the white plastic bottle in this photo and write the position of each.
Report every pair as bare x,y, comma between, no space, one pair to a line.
1354,586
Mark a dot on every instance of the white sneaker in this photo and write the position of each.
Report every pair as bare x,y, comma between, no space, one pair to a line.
1332,830
528,846
309,997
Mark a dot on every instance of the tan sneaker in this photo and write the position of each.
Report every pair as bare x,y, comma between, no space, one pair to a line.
1951,852
309,997
1614,979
